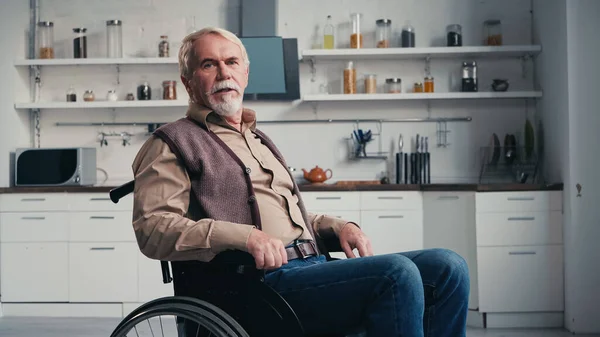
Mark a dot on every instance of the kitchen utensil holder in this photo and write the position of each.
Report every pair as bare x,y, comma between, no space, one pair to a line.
125,137
358,150
508,165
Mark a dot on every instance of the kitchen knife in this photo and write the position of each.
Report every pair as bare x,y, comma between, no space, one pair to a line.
399,160
427,162
405,168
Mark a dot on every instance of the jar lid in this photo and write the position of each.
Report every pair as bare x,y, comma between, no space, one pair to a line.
454,27
79,30
393,80
89,91
429,78
168,82
383,22
112,91
492,22
46,24
163,36
418,84
114,22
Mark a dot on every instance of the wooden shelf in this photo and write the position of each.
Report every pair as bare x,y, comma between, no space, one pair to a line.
421,96
103,104
417,53
96,61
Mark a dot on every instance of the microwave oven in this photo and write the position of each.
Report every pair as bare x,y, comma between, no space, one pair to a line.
74,166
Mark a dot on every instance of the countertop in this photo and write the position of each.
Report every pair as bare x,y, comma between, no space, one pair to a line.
329,187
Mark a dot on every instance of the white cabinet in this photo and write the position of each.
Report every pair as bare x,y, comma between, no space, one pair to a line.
150,285
103,272
449,222
393,231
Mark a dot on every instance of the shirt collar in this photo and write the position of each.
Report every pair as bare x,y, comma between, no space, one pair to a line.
207,117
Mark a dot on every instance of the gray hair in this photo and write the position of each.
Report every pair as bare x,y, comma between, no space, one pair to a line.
187,52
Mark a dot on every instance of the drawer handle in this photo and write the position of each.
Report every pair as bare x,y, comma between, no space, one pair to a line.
448,197
102,248
102,217
329,198
99,199
33,217
521,253
33,199
521,218
391,217
390,198
520,198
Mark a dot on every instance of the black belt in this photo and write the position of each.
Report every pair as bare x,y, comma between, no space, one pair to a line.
301,250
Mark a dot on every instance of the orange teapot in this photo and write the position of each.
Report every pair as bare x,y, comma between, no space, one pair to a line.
317,175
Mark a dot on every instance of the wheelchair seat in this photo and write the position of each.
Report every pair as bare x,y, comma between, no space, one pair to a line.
229,290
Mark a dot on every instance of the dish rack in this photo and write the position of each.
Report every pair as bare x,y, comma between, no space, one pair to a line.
508,165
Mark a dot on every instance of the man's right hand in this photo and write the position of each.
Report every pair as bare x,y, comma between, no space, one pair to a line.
268,253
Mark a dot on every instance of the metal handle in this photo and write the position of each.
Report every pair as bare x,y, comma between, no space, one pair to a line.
521,218
99,199
521,253
390,198
391,217
33,217
448,197
102,248
520,198
329,198
33,199
102,217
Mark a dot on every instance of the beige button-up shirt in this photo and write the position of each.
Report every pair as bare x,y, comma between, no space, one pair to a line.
162,193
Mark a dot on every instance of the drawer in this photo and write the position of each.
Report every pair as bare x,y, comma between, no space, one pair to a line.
33,202
519,228
523,279
99,202
393,231
331,201
390,200
518,201
101,226
34,227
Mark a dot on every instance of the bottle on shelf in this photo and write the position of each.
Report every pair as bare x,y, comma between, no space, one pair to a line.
328,34
350,78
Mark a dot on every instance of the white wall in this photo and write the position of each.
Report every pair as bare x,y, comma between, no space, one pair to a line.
300,19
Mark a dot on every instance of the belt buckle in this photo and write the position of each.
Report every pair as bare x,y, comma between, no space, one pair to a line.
300,249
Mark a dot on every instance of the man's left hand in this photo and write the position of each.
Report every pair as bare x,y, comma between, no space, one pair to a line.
352,238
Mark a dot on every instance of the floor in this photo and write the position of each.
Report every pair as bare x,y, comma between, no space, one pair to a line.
102,327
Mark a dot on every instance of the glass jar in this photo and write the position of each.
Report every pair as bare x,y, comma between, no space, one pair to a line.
163,46
393,85
328,34
89,96
112,96
144,92
46,39
418,87
169,90
383,32
370,84
80,43
356,39
350,79
492,33
428,84
454,35
408,36
71,95
130,97
114,39
469,76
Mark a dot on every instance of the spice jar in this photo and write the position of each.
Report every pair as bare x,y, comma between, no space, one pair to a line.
130,97
46,39
89,96
356,39
428,84
114,39
370,84
80,43
393,85
112,96
71,95
350,79
418,87
383,32
454,35
144,92
169,90
408,36
492,33
163,46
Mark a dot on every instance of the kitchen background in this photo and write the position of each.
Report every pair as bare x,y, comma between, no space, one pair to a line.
304,145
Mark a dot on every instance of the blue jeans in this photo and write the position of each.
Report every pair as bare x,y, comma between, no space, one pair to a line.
410,294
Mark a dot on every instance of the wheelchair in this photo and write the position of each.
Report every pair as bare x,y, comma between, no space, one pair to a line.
226,297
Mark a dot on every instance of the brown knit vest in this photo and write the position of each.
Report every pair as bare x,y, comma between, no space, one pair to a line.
221,187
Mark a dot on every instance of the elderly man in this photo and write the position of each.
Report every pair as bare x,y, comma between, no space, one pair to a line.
211,182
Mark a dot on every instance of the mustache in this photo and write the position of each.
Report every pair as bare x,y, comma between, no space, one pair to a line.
228,84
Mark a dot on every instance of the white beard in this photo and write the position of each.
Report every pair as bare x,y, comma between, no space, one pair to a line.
230,105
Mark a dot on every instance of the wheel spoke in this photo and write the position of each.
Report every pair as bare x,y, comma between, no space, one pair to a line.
136,332
162,332
151,331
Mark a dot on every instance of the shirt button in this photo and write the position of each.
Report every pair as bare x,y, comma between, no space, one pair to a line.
251,199
248,170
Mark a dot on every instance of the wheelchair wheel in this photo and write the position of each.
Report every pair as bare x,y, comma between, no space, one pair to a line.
178,316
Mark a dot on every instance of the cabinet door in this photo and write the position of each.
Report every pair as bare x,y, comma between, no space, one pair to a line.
103,272
150,285
35,272
449,222
393,231
353,216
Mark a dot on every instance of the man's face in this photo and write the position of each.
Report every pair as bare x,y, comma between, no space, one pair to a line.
221,76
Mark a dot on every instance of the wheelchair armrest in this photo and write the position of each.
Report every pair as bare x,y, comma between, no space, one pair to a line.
121,191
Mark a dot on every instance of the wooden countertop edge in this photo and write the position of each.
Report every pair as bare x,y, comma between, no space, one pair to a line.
330,188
